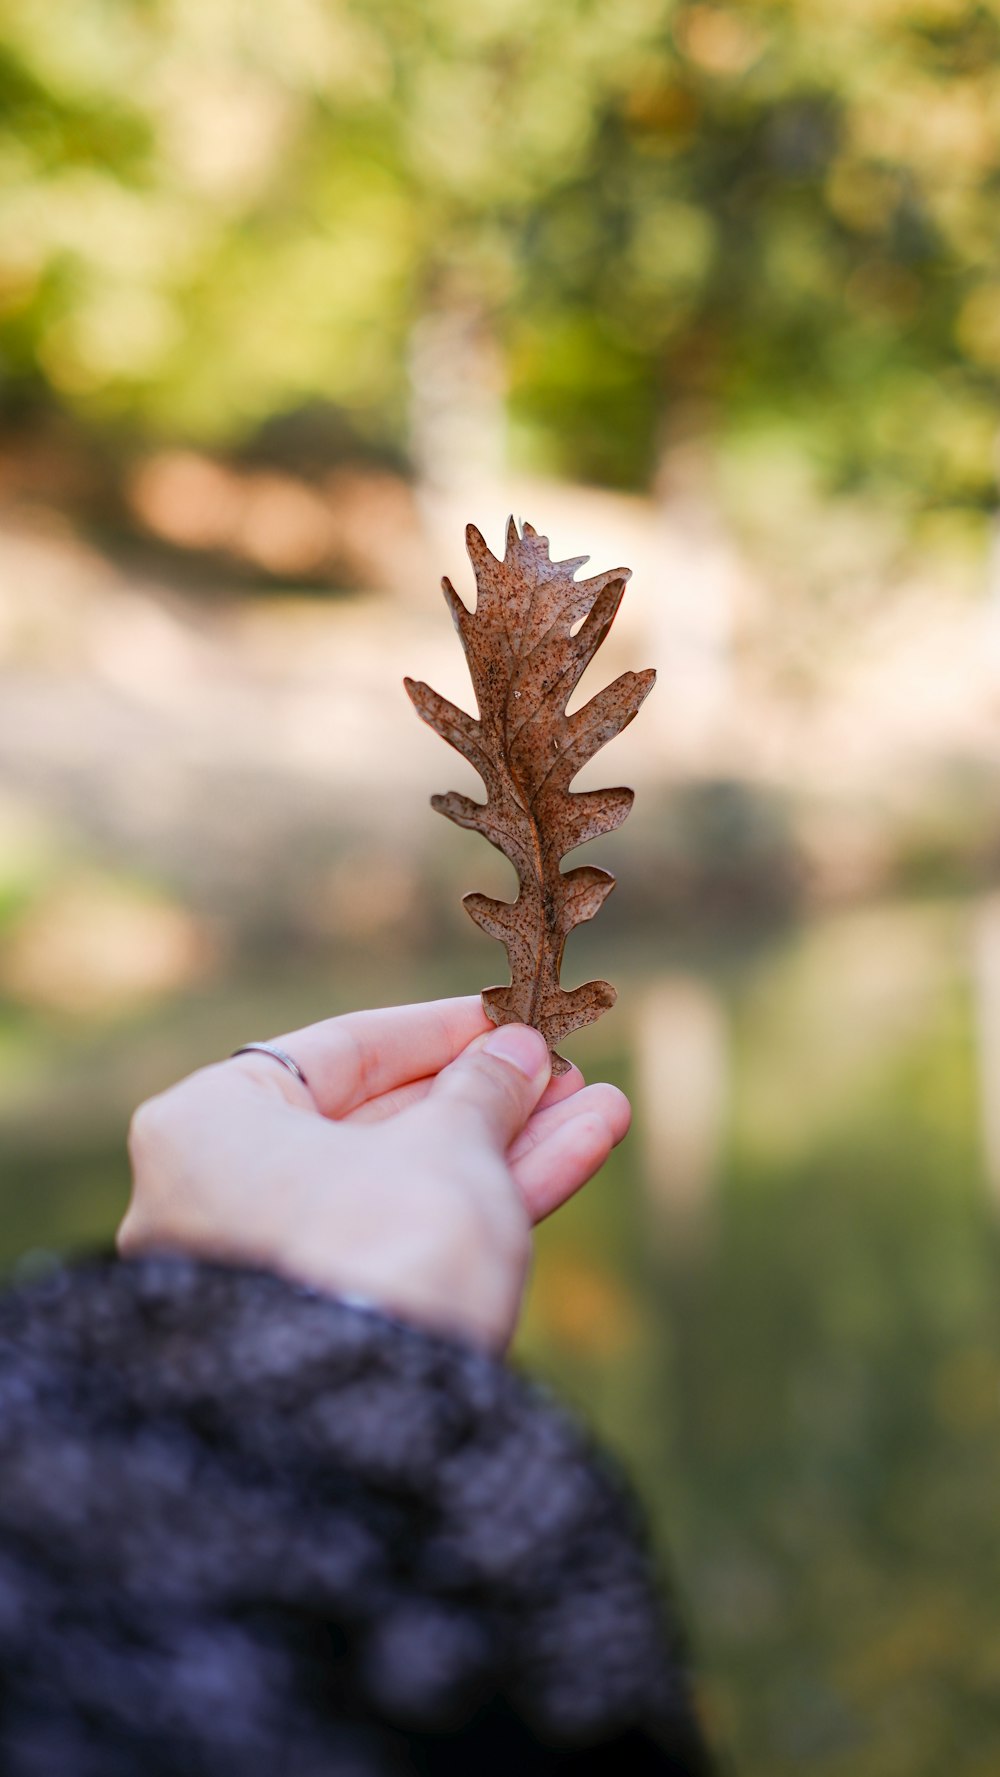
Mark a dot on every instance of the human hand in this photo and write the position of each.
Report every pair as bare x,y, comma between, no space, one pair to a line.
409,1171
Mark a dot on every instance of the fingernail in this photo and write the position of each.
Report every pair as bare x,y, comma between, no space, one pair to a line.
523,1047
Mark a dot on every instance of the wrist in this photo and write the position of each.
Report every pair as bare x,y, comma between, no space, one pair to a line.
445,1260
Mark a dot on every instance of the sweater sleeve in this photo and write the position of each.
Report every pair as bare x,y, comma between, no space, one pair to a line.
246,1527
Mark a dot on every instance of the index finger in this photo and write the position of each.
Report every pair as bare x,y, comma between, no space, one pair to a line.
360,1055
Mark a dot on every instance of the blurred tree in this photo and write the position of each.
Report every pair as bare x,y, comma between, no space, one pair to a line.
780,214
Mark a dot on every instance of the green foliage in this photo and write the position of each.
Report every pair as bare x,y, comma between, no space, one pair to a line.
760,212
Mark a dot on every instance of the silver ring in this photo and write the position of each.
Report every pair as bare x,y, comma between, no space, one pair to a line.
279,1055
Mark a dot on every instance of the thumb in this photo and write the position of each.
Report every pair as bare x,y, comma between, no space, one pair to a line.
494,1085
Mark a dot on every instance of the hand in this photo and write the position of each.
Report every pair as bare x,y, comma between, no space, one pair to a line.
410,1171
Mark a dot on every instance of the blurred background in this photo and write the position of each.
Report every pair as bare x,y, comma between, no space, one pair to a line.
289,294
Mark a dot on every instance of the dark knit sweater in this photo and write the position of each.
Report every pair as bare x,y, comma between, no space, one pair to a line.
247,1529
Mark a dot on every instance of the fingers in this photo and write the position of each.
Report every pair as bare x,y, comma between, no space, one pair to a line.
551,1116
491,1090
354,1058
402,1098
562,1147
562,1086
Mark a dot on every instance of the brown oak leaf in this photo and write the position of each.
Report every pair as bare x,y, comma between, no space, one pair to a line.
534,630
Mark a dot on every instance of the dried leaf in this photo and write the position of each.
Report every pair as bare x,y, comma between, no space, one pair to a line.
526,655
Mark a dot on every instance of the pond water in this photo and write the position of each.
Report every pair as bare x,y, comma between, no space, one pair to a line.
779,1305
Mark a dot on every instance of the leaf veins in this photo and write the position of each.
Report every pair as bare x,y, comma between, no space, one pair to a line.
525,662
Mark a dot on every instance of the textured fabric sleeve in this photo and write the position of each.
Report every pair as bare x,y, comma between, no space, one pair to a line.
247,1528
